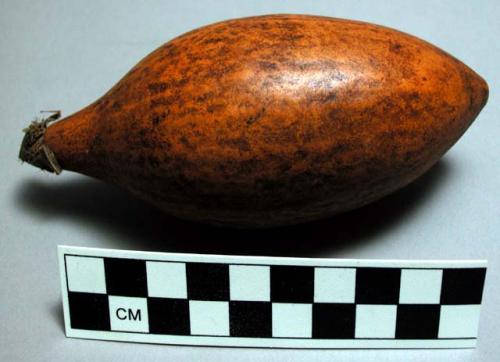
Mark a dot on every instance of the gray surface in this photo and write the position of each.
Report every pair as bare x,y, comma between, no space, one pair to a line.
62,56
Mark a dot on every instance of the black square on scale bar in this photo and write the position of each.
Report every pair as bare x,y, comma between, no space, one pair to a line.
250,319
377,285
333,320
207,281
89,311
126,277
417,321
292,284
168,316
462,286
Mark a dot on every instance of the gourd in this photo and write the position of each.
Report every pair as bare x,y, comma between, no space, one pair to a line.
269,120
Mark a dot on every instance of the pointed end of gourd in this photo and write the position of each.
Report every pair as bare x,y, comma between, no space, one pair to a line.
33,148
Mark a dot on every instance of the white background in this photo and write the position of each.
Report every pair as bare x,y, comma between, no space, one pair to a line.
64,55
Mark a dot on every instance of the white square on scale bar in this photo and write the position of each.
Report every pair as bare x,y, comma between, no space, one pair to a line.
249,283
292,320
459,321
129,314
334,285
166,279
375,321
419,286
85,274
209,318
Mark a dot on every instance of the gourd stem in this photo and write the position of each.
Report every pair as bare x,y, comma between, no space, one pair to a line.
34,150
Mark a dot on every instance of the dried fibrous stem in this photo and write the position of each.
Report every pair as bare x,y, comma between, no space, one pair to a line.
33,148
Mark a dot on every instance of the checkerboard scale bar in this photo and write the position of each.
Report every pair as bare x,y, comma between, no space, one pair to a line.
269,301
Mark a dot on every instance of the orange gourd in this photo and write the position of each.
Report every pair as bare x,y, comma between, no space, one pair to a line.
269,120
